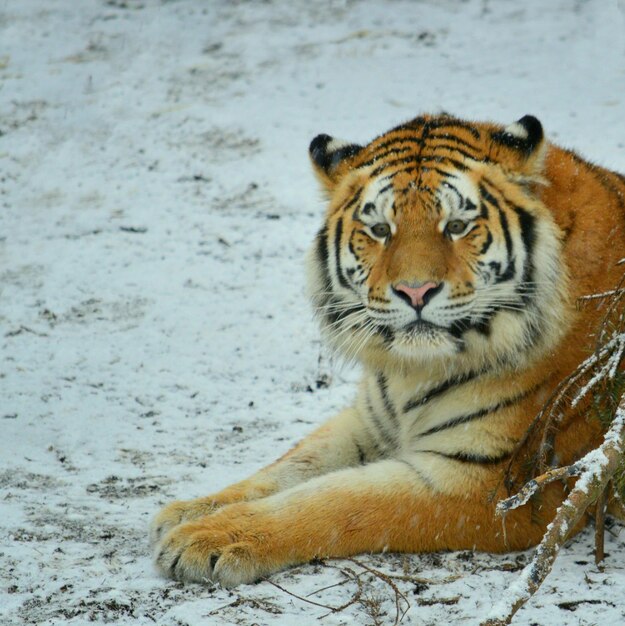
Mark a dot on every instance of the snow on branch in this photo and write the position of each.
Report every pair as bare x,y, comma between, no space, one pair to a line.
595,470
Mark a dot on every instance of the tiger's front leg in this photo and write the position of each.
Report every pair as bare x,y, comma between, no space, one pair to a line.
341,442
387,505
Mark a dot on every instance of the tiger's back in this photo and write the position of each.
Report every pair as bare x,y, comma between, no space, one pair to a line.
450,263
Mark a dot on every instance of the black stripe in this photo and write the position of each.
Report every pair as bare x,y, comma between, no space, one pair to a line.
453,123
338,233
510,271
486,245
386,333
384,189
418,401
412,125
484,210
482,325
321,251
463,419
380,311
350,243
459,165
506,232
419,473
326,301
458,140
387,438
351,202
420,160
528,236
455,305
468,205
332,316
488,196
443,173
362,457
375,446
383,155
459,327
424,134
397,140
469,457
388,405
534,331
409,160
444,146
464,324
396,135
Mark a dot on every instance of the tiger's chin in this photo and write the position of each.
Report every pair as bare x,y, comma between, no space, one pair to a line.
421,341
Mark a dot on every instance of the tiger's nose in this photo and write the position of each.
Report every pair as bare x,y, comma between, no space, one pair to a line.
417,294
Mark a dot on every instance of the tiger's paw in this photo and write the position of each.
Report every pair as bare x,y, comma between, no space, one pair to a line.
181,511
178,512
226,549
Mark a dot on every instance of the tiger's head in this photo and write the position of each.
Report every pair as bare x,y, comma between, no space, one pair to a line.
436,245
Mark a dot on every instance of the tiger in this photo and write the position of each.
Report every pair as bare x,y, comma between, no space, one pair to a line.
449,265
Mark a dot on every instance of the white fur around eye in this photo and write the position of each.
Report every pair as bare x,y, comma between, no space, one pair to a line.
459,200
451,199
377,206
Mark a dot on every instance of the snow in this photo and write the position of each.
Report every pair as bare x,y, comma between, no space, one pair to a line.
156,202
594,463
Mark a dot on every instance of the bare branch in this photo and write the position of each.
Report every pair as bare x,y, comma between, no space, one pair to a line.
605,294
523,496
600,466
600,525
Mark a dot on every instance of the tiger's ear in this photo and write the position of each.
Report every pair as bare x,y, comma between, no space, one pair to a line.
330,158
521,146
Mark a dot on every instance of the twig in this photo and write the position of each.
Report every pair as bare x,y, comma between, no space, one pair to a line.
424,581
399,614
234,603
433,601
352,576
333,609
523,496
332,586
600,526
616,508
605,294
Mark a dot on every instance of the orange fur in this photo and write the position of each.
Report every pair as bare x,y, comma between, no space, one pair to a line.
417,463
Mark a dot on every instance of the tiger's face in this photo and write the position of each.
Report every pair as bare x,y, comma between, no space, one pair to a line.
436,244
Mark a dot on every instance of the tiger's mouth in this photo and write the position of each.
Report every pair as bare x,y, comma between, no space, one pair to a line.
421,327
424,341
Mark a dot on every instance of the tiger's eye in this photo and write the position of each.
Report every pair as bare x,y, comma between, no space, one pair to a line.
381,230
455,227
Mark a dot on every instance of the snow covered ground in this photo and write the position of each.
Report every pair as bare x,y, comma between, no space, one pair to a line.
156,202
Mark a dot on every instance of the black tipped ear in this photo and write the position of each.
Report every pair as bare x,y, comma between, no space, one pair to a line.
327,154
525,134
521,147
